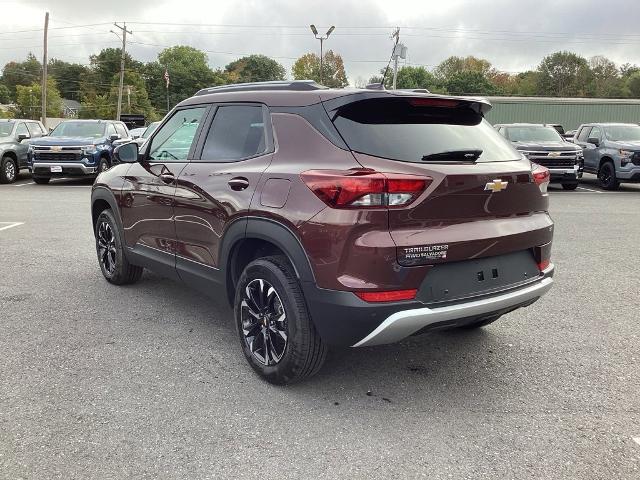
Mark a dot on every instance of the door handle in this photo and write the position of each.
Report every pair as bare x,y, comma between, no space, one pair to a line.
167,177
238,183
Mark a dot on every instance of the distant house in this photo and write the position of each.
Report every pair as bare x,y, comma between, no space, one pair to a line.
70,108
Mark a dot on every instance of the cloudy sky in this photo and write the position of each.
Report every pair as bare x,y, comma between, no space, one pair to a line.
513,34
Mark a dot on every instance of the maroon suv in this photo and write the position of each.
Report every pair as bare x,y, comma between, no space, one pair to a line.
329,217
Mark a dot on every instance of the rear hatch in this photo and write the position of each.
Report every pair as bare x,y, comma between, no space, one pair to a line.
482,200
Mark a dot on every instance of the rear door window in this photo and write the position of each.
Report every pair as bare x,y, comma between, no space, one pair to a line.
237,132
414,130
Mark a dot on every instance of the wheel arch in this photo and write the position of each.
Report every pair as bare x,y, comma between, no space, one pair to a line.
253,237
103,199
604,159
10,154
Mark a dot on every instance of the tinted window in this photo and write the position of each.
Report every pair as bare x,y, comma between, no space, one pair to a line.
6,128
79,129
595,133
237,132
533,134
408,130
121,130
173,141
584,134
620,133
22,130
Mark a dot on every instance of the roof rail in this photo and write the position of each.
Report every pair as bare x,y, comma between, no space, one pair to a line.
295,85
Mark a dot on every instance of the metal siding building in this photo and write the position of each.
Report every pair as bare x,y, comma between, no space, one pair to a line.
569,112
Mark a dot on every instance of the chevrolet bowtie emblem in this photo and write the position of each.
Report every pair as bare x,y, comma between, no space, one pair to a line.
554,154
496,185
56,148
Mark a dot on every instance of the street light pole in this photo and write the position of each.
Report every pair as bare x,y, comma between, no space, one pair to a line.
322,38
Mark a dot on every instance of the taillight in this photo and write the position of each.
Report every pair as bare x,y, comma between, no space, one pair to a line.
388,296
543,264
364,188
541,176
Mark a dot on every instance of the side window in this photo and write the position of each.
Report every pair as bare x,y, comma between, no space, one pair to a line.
34,129
21,129
173,140
596,133
110,129
237,132
121,130
583,134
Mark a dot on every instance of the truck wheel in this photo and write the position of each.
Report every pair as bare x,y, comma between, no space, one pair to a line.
276,333
607,176
103,166
569,186
41,180
8,170
114,265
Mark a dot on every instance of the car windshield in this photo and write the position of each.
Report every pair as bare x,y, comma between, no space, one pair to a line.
6,129
623,133
533,134
150,129
79,129
417,130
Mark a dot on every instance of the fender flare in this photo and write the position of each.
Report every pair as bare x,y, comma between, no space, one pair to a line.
103,193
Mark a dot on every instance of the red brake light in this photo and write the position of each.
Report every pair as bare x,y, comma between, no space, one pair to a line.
541,176
364,188
543,264
388,296
433,102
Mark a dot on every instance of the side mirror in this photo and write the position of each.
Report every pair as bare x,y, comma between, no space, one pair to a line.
126,153
114,137
23,136
594,141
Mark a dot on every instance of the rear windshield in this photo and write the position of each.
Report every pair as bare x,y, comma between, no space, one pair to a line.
533,134
399,129
5,129
621,133
79,129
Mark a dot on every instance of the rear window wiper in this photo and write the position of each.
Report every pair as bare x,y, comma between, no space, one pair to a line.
470,155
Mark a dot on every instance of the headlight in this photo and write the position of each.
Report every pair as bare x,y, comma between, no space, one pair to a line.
30,149
91,149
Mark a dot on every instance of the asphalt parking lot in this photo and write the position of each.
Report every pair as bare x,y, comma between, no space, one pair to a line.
148,381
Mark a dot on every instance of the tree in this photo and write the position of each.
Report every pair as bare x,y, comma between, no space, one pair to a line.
68,76
29,100
307,67
453,65
106,64
633,85
5,94
606,77
21,73
134,99
470,82
414,77
254,68
526,83
564,74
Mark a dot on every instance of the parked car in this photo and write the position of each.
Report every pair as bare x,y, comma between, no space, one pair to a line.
146,133
329,217
611,151
542,144
568,136
15,135
136,132
76,148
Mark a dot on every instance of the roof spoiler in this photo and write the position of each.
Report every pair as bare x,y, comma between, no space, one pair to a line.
295,85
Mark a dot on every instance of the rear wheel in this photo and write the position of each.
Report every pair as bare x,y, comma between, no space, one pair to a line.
113,263
607,176
41,180
570,186
8,170
276,333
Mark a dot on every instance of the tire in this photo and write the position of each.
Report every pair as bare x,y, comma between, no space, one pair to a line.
569,186
607,176
280,310
103,165
41,180
8,170
480,323
114,265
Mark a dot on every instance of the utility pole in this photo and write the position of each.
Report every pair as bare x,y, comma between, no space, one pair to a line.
399,50
122,57
44,70
322,39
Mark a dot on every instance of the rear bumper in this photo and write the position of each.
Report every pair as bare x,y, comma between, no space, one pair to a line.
342,319
68,169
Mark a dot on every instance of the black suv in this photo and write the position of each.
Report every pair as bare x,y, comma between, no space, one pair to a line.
329,217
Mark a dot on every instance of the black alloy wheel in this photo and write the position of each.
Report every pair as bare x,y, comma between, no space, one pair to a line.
264,322
106,247
607,176
103,166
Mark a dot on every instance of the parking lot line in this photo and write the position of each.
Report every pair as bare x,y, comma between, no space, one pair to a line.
636,439
590,189
8,225
23,184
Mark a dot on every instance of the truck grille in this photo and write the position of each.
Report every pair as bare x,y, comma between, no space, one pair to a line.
554,159
58,157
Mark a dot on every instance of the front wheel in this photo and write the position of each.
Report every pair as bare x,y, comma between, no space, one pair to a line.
114,265
103,166
8,170
607,176
276,333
